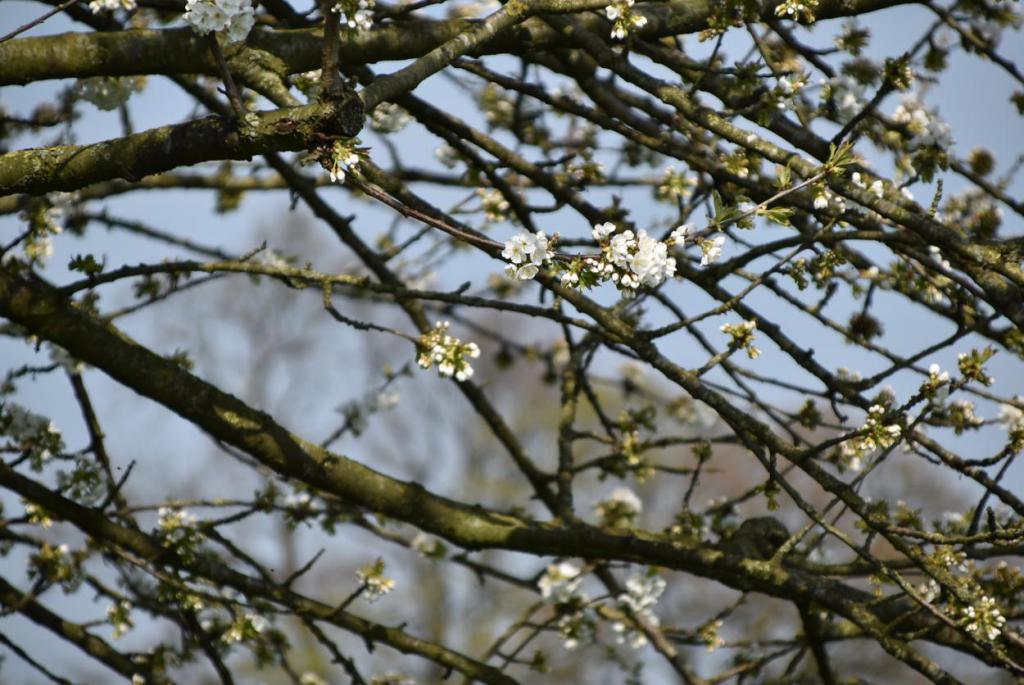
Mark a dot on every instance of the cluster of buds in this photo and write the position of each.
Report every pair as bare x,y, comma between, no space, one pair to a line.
344,158
982,619
936,387
742,335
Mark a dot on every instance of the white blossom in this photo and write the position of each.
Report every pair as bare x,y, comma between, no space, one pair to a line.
119,616
937,387
623,18
447,155
448,352
650,262
848,95
924,127
105,92
373,582
344,158
526,253
97,6
642,592
797,9
1010,417
493,204
679,235
556,576
310,678
234,17
602,231
356,15
388,117
712,249
620,508
427,545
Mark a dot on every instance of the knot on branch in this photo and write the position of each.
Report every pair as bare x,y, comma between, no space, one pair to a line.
346,114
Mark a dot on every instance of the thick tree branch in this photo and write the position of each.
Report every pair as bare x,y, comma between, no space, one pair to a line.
181,51
69,167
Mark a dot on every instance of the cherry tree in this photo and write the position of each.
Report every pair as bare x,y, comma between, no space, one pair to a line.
525,341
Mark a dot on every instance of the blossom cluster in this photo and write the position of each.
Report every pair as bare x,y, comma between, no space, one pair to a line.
428,546
629,260
356,15
797,10
825,198
526,253
1010,417
495,206
674,185
877,187
120,617
372,581
34,435
877,434
565,577
574,609
642,592
787,89
960,414
247,626
742,335
448,352
178,530
388,117
56,564
36,515
572,605
620,509
234,17
106,92
847,93
298,507
44,219
923,126
97,6
623,18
